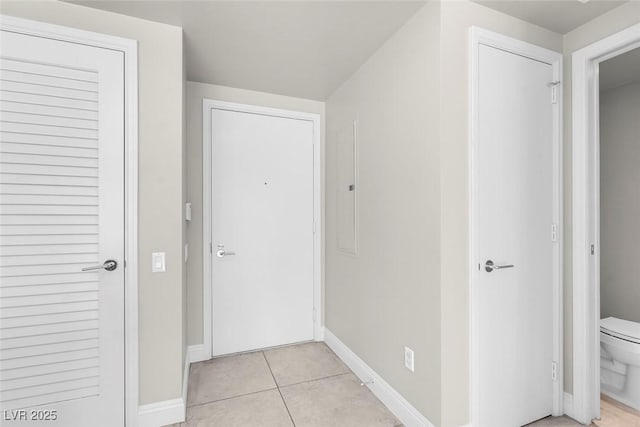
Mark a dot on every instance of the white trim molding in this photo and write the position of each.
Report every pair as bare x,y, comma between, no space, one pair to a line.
196,353
174,410
586,221
130,50
477,37
207,316
568,405
162,413
397,404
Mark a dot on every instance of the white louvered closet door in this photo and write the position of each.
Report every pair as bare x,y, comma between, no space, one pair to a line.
61,209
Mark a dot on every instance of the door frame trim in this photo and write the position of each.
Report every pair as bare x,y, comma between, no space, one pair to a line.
130,50
477,37
586,217
207,310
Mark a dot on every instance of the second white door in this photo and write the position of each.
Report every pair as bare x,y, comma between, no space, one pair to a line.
516,242
262,230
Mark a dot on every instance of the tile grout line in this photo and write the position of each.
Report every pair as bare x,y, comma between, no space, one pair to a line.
231,397
319,379
278,387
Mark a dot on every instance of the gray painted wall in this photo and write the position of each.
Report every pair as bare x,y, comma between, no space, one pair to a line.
620,202
388,296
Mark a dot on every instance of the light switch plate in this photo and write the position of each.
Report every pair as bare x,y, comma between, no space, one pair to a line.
158,263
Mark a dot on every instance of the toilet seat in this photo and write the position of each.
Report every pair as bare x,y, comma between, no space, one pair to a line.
619,328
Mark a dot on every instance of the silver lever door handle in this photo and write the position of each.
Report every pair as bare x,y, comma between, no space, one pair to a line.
108,265
489,266
221,253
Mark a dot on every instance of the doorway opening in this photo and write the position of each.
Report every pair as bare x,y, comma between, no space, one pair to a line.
599,112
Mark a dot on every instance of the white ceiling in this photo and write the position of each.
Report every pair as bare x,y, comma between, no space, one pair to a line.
297,48
560,16
620,70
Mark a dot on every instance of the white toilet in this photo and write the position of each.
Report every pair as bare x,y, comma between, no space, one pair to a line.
620,360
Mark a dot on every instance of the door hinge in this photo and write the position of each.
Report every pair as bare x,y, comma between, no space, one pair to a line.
554,232
313,225
554,91
210,247
554,371
593,249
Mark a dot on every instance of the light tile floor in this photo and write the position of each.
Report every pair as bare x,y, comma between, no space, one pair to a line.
304,385
556,422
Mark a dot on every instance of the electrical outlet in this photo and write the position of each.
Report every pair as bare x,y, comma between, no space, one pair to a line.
408,359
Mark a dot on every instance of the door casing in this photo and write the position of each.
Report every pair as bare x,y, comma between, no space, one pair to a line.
586,217
130,51
477,37
207,315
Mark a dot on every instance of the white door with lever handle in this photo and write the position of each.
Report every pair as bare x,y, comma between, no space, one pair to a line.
514,193
262,235
62,231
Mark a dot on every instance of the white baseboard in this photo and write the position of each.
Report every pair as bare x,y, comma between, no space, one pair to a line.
172,411
397,404
195,353
185,381
161,413
568,405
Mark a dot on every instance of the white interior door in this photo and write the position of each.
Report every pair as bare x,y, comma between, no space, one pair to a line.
262,230
515,211
61,210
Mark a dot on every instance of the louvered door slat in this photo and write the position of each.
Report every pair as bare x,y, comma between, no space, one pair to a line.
30,341
49,259
36,360
47,80
41,129
47,220
50,368
46,151
38,68
52,378
72,113
51,328
41,299
48,119
47,319
50,289
58,141
50,91
9,273
48,101
48,389
47,249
